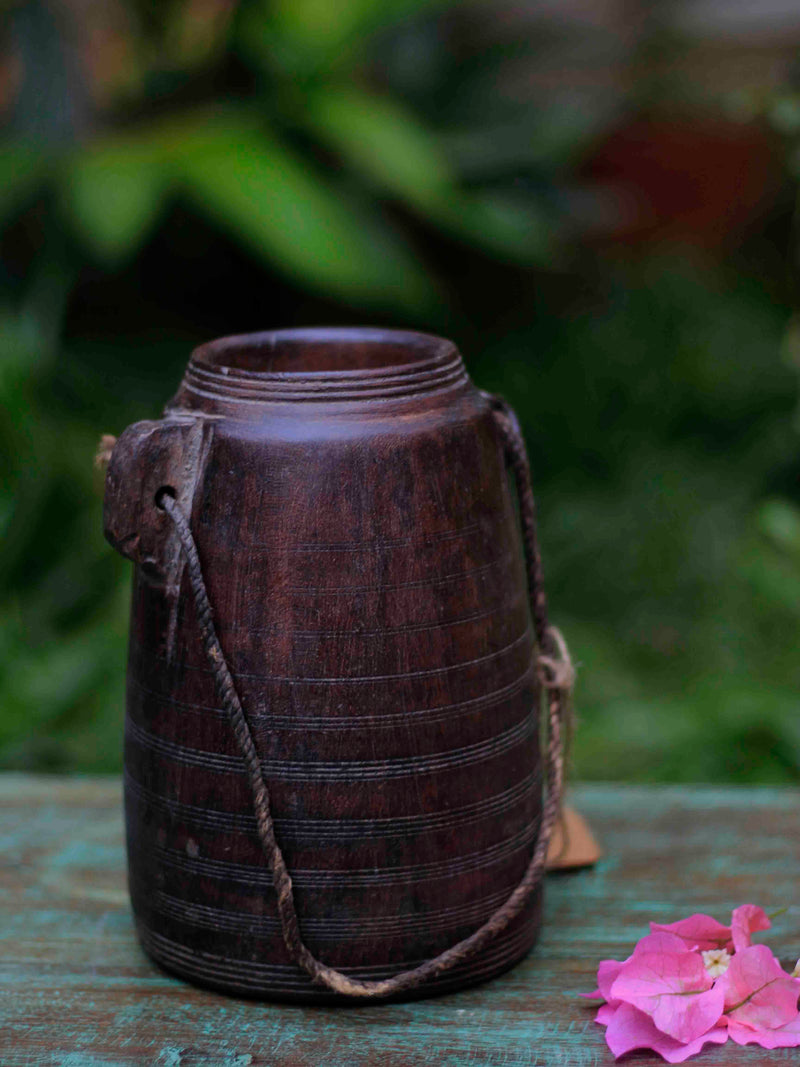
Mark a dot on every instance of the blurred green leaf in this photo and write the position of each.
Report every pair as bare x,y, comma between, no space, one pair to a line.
278,206
784,114
780,521
383,140
309,35
23,169
114,191
511,228
395,151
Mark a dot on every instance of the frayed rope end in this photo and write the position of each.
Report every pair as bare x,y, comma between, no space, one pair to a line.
105,447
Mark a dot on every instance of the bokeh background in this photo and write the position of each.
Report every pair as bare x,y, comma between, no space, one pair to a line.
594,198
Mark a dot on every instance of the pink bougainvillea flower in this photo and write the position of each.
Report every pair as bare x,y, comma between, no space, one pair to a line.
745,921
696,981
674,989
698,932
631,1029
759,995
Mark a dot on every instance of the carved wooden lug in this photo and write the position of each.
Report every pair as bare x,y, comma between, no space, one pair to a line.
150,457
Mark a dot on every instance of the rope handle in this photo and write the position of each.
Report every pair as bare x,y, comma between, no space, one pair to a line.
555,674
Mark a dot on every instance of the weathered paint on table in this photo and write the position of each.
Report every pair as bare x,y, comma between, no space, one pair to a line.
77,991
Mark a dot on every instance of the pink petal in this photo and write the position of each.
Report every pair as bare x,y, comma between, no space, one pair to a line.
606,1012
698,931
745,921
630,1029
608,970
674,989
757,990
784,1037
607,973
659,941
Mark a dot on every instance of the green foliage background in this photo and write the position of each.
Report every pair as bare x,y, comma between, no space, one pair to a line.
299,161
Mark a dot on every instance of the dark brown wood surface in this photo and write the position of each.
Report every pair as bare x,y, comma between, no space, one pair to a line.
76,990
356,528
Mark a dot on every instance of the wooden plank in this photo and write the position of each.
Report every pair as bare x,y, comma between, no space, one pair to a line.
77,991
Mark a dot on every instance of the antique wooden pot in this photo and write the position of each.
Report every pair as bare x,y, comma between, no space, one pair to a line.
354,525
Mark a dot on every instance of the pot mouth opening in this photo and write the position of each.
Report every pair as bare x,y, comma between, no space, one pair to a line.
324,363
324,351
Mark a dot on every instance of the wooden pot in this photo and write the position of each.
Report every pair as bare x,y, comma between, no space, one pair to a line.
347,493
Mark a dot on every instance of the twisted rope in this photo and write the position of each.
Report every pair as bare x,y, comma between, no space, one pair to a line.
555,675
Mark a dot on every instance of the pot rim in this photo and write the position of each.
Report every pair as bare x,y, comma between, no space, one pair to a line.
324,363
418,350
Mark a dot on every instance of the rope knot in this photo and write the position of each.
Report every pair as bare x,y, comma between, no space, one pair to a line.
556,672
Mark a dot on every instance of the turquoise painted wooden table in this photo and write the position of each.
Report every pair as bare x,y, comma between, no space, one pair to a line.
77,991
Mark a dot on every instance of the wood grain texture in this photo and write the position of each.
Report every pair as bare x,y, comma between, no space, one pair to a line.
76,990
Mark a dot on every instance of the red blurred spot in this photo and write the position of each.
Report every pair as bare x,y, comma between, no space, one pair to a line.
695,181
